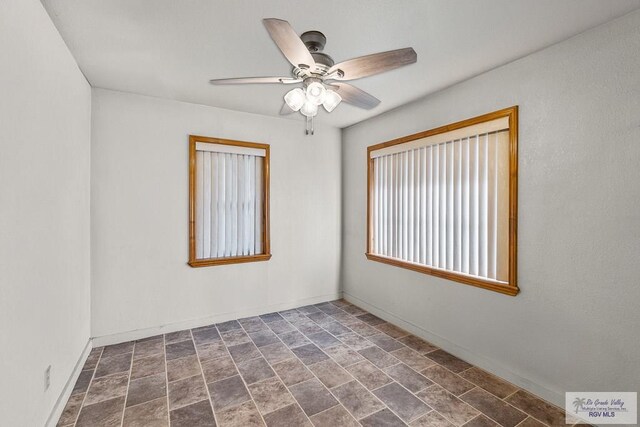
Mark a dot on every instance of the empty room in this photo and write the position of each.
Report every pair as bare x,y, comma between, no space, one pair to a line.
319,214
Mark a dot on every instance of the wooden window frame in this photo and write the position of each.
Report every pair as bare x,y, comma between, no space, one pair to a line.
205,262
511,288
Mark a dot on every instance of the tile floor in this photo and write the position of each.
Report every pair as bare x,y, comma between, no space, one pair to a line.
330,364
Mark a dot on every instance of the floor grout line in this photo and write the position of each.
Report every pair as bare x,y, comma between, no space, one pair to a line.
93,375
206,386
126,395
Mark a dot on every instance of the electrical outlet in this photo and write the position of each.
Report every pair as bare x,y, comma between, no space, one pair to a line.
47,378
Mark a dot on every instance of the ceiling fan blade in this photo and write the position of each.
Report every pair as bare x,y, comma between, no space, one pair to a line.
289,42
369,65
285,110
254,80
354,96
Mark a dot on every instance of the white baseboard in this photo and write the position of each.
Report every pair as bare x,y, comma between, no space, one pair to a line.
68,387
553,396
203,321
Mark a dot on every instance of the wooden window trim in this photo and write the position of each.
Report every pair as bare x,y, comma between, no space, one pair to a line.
511,288
205,262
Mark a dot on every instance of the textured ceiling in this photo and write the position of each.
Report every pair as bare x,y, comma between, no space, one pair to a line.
170,49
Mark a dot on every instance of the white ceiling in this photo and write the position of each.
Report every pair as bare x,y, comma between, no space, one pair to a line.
170,49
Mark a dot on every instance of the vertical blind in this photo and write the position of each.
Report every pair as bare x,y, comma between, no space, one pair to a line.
229,205
445,205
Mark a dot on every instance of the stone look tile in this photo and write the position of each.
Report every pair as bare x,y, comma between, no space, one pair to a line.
400,401
234,337
186,391
206,335
183,367
432,419
309,354
218,369
335,328
344,355
149,414
276,352
320,318
147,366
105,388
447,404
336,416
367,373
412,358
495,408
418,344
107,413
492,384
385,342
362,328
113,365
255,370
253,324
330,373
212,350
82,383
244,415
177,336
270,395
356,341
378,357
195,415
353,310
481,421
449,361
447,379
228,326
71,410
113,350
292,371
370,319
329,308
530,422
228,392
280,326
384,418
536,407
262,338
308,327
392,330
308,309
148,348
289,416
242,352
323,339
407,377
312,396
357,399
180,349
146,389
92,359
294,339
271,317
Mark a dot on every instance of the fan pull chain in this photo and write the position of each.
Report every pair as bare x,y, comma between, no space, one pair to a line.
309,130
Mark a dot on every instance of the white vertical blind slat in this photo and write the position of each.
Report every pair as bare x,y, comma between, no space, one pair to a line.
199,198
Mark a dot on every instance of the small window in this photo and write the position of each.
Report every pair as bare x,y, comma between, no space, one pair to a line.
228,201
444,201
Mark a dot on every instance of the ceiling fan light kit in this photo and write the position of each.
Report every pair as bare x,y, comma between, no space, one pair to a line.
322,79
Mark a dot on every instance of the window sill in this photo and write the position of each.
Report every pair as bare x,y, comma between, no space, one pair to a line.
506,289
230,260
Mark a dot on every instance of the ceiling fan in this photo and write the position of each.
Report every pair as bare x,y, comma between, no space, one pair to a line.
322,80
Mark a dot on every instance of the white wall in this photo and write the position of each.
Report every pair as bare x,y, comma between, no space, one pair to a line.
139,207
574,326
45,119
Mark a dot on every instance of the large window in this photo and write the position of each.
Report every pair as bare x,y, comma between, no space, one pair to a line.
228,201
444,201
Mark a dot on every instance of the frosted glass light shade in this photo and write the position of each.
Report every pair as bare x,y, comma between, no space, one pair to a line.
295,99
331,101
309,109
316,93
